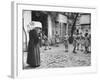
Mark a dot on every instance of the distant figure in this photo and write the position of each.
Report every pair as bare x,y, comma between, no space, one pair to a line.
40,40
89,43
81,42
75,43
66,42
33,57
76,38
46,42
57,39
86,43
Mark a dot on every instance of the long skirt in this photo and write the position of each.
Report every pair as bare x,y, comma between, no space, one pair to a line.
66,44
33,57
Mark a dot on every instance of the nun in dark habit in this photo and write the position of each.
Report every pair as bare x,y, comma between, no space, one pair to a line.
33,57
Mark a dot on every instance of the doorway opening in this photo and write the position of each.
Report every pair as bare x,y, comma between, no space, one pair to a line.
41,17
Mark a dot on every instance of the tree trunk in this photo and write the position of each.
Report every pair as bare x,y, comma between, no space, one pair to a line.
72,30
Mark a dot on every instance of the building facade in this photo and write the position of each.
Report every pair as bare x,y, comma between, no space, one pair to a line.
53,22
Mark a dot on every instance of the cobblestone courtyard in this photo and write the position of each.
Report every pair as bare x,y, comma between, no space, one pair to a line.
56,57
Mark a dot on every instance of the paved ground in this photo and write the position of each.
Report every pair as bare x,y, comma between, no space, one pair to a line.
57,57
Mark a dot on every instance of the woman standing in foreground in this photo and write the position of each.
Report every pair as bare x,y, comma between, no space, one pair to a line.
33,57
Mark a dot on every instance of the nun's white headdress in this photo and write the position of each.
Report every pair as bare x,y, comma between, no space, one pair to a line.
34,24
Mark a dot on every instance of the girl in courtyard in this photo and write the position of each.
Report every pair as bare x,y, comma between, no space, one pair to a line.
81,42
66,42
75,43
46,42
57,39
76,40
86,44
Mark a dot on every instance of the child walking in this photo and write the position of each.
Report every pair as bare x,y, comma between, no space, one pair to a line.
46,42
86,43
66,42
57,39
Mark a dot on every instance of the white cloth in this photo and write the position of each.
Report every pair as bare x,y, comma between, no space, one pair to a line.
33,25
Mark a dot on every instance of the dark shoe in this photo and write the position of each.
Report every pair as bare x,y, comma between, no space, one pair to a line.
74,52
37,65
49,48
88,51
81,49
45,49
66,50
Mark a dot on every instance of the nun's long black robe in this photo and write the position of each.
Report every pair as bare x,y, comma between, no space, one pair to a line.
33,57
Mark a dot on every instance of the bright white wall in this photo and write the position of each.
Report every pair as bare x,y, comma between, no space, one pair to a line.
27,20
85,19
5,38
61,18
